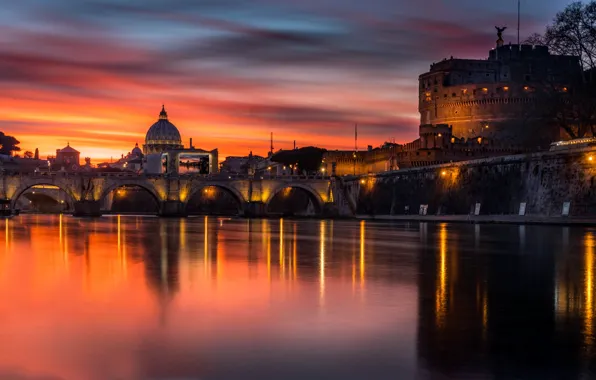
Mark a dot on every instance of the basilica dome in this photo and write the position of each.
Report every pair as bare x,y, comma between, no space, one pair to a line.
162,135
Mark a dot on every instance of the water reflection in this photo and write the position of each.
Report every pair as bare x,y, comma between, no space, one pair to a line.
134,298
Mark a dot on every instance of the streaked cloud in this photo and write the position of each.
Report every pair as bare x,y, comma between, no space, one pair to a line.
230,71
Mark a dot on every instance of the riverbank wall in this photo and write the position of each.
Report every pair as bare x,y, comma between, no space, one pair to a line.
544,182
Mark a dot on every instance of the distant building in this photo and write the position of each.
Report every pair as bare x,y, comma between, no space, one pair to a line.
133,161
67,157
242,165
498,97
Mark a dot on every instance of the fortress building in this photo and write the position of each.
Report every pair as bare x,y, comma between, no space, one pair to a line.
500,97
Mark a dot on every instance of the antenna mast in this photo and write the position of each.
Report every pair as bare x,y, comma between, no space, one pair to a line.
271,144
355,137
518,17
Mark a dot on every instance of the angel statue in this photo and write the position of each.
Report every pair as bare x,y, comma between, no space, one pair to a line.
500,32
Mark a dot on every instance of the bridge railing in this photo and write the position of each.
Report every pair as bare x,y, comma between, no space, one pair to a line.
215,176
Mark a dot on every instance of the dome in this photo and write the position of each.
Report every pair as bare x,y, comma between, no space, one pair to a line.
136,151
162,135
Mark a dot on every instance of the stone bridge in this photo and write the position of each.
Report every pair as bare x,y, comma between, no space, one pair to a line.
89,192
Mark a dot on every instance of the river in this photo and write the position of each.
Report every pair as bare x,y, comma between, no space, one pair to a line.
126,297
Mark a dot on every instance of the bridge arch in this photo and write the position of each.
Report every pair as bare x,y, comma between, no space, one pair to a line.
146,186
235,194
311,193
24,187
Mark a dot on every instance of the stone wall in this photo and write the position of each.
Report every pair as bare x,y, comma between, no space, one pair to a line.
543,180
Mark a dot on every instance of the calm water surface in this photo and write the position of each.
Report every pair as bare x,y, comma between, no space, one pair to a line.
209,298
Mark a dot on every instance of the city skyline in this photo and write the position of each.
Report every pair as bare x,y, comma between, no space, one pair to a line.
95,73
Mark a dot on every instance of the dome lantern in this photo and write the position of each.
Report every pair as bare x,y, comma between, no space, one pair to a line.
163,115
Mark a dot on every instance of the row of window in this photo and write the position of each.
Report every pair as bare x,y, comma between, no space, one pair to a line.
484,91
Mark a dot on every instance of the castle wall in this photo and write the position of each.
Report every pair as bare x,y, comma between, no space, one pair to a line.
543,180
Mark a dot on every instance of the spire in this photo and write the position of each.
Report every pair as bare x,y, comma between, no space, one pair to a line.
136,145
163,115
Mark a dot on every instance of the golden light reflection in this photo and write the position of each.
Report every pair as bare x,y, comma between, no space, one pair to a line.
6,228
322,261
267,233
122,247
362,251
441,291
164,256
183,235
294,253
484,314
206,244
281,247
588,290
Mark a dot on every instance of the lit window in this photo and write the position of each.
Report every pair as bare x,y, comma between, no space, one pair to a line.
564,89
464,91
479,140
484,90
526,88
506,88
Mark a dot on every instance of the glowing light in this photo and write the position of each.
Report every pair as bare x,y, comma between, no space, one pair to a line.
506,88
323,170
362,181
444,173
322,261
362,251
441,292
589,289
591,158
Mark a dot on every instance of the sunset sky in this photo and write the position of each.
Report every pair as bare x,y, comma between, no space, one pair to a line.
96,72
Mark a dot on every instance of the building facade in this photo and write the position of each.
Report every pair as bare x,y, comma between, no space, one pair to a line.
498,97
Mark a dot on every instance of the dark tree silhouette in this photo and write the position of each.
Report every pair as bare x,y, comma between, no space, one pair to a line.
572,32
8,144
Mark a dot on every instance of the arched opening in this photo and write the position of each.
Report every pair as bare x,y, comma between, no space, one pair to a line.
294,201
44,199
130,199
213,200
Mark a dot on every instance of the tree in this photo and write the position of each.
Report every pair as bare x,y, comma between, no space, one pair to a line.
28,154
8,144
36,156
572,32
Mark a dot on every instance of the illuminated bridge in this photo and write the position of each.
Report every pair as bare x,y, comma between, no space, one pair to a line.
92,194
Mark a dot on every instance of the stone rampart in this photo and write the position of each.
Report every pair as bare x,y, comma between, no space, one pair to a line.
544,181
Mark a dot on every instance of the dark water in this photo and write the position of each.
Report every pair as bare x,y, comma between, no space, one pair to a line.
208,298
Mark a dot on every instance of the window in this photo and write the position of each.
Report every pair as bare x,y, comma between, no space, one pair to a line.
506,88
453,95
464,91
499,89
485,90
